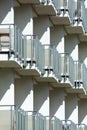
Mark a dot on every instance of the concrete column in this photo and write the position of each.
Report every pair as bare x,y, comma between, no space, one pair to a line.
24,18
71,46
57,103
71,108
42,29
24,93
41,98
6,87
57,37
82,109
6,12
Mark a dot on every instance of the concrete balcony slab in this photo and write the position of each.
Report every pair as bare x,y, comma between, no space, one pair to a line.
28,72
75,90
9,64
83,96
45,9
83,38
61,85
46,79
57,20
74,30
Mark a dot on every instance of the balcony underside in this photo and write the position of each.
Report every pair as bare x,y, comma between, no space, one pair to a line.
45,9
57,20
74,29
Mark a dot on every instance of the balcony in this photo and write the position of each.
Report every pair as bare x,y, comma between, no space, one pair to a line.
32,56
10,45
50,63
66,67
79,78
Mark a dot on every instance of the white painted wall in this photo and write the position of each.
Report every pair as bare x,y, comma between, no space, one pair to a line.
24,93
23,18
71,46
57,103
42,29
6,12
41,98
71,108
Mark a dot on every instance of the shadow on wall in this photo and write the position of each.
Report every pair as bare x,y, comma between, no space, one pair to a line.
22,16
5,7
5,82
56,100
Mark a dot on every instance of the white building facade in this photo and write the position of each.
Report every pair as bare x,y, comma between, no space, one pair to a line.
43,65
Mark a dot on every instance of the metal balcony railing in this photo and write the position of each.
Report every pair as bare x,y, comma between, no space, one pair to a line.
7,117
84,76
11,40
48,2
68,125
56,124
21,120
76,12
62,7
66,67
32,52
50,61
64,64
83,15
78,76
35,121
81,127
